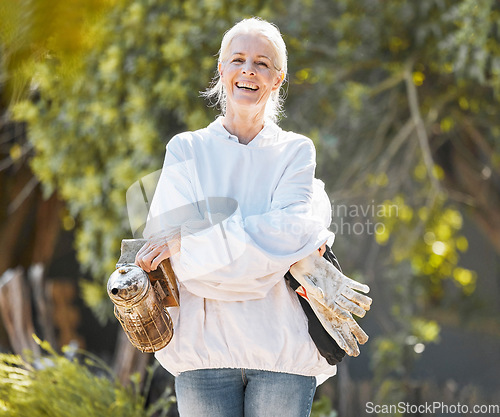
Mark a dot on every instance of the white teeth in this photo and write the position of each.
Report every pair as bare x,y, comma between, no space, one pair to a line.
246,85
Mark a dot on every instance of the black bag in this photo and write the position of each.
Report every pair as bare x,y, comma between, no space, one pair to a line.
327,346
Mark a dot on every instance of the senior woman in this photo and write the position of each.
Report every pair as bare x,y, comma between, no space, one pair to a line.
233,211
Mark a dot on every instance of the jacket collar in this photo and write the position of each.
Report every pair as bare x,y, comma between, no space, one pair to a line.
267,136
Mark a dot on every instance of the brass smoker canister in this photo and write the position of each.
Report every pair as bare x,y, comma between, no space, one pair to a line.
139,308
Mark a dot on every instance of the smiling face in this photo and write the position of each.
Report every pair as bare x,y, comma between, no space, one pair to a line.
248,74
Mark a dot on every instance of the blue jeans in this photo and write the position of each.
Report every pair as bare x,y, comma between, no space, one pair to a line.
243,392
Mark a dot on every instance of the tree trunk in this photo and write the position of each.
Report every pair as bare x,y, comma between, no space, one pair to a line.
15,308
128,359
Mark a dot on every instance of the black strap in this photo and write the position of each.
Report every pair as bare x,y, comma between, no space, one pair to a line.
327,346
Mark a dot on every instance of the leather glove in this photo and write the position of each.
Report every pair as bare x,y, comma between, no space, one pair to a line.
334,299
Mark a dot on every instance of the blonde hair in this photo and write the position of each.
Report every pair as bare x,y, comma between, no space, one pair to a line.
254,25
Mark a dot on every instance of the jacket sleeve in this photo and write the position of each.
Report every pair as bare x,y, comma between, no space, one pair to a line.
224,255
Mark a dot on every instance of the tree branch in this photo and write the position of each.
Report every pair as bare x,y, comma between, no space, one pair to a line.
423,138
396,144
23,195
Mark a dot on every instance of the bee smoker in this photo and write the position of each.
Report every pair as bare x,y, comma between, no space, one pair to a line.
140,299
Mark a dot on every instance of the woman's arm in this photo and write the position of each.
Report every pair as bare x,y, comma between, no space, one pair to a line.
226,256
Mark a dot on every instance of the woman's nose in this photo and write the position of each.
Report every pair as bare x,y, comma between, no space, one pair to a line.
248,69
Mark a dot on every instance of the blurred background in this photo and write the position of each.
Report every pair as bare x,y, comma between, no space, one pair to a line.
402,100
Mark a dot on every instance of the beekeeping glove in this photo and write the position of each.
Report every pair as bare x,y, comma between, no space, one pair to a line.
333,298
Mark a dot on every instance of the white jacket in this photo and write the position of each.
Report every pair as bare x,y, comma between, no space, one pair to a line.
245,213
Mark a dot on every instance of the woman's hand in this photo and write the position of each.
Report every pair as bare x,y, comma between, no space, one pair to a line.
321,250
157,249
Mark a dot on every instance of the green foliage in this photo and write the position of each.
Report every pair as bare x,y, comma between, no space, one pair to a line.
351,66
429,239
58,386
322,407
390,89
36,30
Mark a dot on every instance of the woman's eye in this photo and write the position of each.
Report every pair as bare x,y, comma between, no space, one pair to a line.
237,60
262,64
